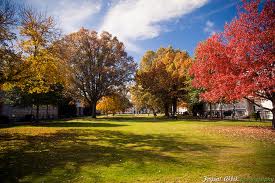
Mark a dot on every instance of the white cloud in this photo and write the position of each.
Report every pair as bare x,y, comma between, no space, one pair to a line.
133,20
70,14
73,14
209,27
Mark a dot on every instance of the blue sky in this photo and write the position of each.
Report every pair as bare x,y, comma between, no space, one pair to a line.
143,24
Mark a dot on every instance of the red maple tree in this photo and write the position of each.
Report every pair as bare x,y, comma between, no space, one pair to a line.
239,62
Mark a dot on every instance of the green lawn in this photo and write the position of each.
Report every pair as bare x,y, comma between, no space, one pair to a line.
136,149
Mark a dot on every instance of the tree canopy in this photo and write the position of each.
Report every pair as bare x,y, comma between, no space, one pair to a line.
113,104
239,62
164,74
11,65
98,65
38,33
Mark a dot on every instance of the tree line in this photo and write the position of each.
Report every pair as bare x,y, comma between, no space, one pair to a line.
227,67
95,68
39,65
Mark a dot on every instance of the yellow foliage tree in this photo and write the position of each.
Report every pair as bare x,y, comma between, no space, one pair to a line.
113,104
38,33
164,74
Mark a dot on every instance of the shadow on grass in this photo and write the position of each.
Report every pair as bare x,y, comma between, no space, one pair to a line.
86,122
77,124
129,119
101,121
65,124
69,150
159,119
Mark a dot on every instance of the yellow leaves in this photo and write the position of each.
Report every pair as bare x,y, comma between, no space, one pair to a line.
166,73
39,89
7,86
34,86
43,71
109,104
176,62
147,61
112,104
38,33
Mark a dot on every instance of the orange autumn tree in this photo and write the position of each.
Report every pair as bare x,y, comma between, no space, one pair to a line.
239,62
113,104
164,74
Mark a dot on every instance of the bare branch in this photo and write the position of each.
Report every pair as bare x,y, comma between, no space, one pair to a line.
253,102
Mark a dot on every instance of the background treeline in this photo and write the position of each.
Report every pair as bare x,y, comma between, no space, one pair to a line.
40,66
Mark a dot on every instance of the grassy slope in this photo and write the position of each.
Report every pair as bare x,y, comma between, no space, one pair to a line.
127,149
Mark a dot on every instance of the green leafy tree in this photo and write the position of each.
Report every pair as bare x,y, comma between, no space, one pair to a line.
142,99
19,97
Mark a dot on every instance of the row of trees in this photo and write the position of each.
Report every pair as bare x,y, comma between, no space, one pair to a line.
41,61
231,65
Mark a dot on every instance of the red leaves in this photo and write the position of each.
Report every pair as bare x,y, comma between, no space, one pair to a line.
239,61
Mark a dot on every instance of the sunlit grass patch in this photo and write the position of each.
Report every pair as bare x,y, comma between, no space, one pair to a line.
129,149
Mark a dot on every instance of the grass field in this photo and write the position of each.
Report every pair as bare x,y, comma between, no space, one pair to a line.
136,149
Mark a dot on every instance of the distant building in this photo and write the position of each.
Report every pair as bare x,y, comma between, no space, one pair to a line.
21,113
242,109
181,110
79,108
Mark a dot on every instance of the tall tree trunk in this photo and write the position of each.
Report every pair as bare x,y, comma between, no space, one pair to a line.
1,106
234,111
273,119
47,112
1,99
210,111
166,109
174,103
221,110
93,108
154,113
37,113
273,111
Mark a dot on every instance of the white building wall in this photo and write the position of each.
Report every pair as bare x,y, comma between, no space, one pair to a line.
21,112
243,108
